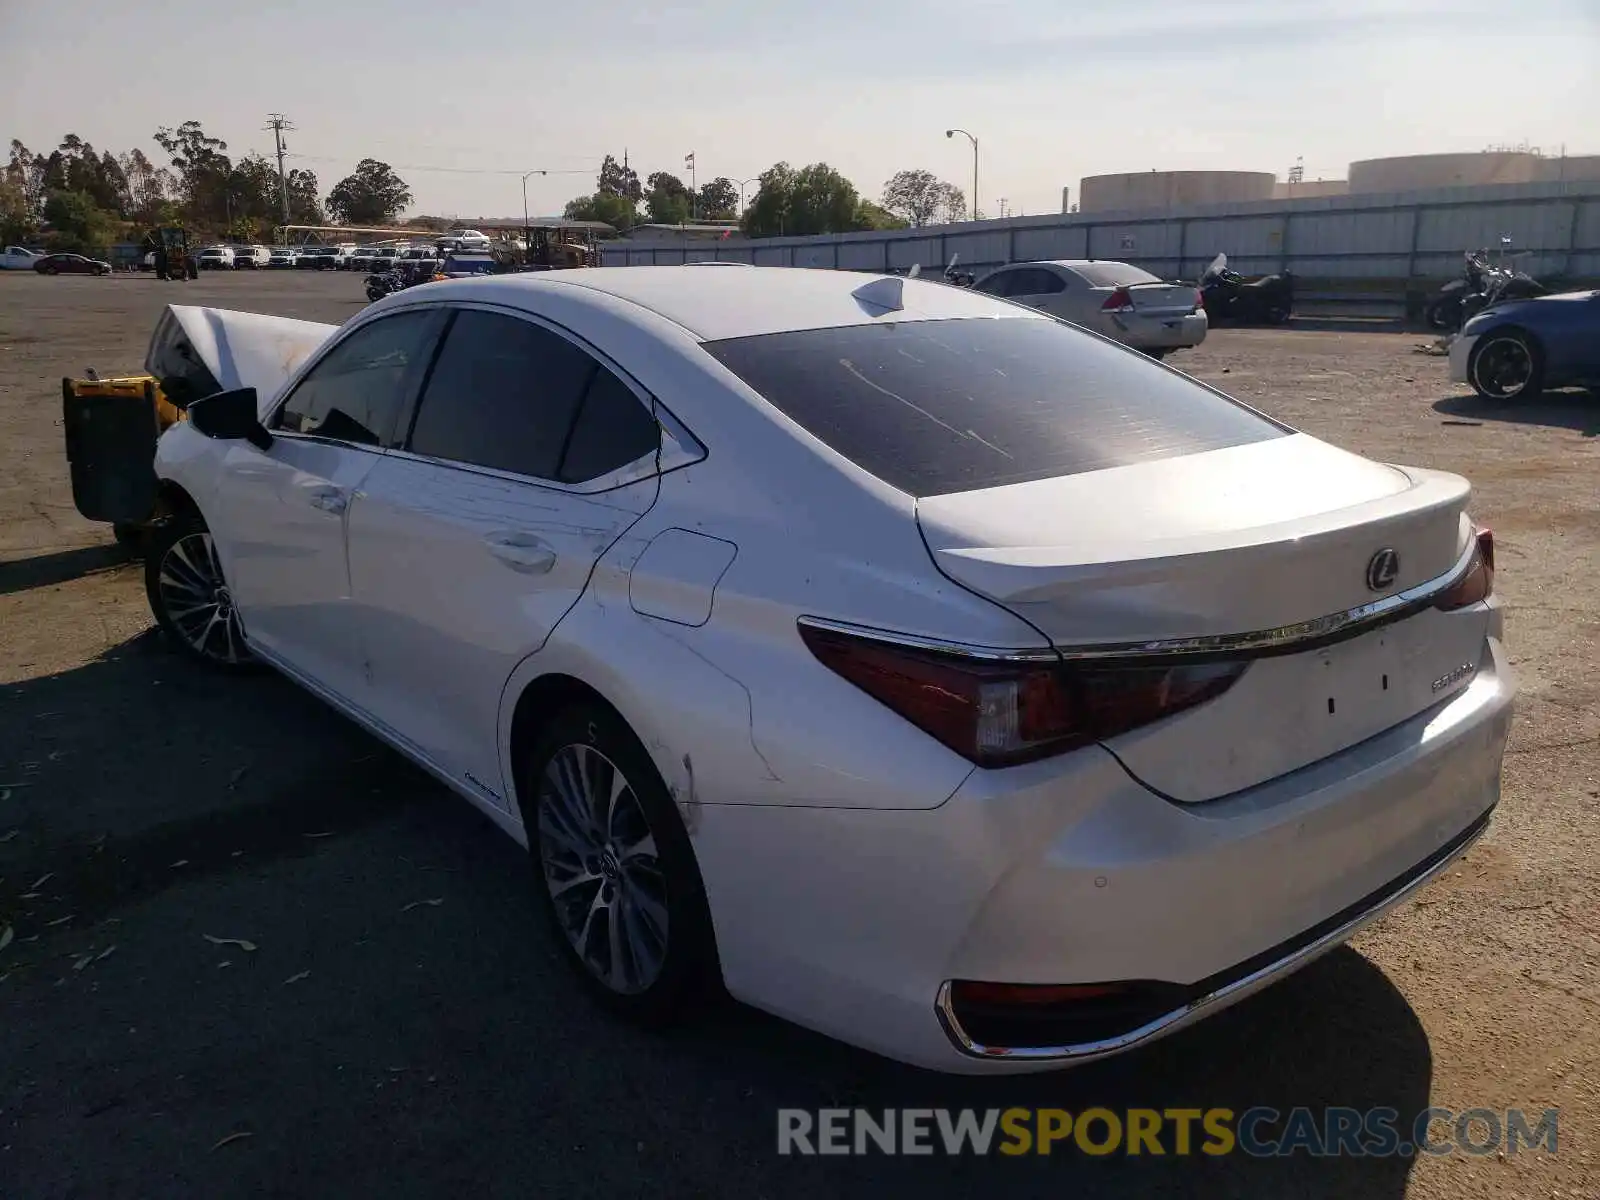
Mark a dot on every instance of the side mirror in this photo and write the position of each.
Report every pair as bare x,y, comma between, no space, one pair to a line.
230,416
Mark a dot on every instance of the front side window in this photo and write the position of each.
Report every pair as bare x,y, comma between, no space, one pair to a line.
355,394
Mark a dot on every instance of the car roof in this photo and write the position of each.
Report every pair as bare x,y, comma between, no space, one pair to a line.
713,305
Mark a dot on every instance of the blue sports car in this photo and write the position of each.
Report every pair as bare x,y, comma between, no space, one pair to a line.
1515,349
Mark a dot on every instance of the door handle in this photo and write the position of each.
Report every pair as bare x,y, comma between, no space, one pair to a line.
522,552
328,499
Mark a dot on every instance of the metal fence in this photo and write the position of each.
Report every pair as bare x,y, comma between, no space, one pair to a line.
1377,254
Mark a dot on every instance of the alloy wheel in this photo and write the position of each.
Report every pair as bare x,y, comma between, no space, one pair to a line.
197,599
1503,368
602,870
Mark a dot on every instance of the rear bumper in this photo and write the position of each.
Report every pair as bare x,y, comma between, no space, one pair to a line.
1069,872
1157,333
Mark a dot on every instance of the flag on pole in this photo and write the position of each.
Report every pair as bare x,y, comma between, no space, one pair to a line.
688,161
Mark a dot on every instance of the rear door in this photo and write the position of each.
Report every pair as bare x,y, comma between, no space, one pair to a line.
528,456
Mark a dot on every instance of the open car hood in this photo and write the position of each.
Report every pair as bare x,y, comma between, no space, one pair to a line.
196,352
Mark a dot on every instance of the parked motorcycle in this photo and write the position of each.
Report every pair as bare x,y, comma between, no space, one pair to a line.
382,283
1482,283
1228,296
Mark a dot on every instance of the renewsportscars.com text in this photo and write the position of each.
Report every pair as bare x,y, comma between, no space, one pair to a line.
1259,1132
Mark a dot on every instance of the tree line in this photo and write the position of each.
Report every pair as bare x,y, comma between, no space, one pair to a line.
788,200
78,198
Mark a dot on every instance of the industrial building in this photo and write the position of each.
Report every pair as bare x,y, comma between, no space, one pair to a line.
1136,190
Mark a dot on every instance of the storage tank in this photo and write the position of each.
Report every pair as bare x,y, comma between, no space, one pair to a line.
1170,189
1308,189
1584,168
1415,172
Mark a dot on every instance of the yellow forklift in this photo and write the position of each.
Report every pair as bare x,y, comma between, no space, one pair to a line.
170,244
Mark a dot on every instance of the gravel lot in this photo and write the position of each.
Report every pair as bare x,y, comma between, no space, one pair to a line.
399,1018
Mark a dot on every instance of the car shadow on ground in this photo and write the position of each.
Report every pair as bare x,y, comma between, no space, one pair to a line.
61,566
1577,409
402,1015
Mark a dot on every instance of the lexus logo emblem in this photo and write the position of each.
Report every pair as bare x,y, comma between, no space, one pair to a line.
1383,569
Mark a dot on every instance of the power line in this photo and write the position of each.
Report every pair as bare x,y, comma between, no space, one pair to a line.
448,170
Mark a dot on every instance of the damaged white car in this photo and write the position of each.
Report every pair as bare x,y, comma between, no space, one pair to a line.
929,672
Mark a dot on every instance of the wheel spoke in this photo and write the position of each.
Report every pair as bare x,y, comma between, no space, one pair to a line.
619,971
643,847
652,913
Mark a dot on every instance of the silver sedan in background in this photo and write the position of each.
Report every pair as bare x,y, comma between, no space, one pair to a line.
1122,301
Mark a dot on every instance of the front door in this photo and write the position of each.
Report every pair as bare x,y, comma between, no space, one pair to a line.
526,460
281,513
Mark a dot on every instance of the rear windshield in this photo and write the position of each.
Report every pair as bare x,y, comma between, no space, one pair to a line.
933,407
1112,274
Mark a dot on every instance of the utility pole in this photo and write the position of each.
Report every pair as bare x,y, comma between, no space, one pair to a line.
277,123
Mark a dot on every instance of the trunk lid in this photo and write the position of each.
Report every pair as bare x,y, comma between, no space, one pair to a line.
1162,299
1234,541
196,351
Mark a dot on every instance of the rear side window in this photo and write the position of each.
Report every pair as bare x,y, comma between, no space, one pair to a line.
503,394
612,430
933,407
1112,274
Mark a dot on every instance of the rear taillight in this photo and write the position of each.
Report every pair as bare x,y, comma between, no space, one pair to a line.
1120,301
1478,581
1199,300
996,713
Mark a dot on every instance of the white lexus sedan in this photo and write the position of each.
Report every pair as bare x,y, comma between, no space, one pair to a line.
932,673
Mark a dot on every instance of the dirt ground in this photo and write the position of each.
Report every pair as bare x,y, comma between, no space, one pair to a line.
391,1014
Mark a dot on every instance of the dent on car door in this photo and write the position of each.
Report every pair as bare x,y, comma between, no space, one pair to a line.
526,459
282,512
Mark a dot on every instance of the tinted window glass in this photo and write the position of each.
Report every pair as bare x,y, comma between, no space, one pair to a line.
613,429
1043,283
949,406
1112,274
998,284
503,394
355,394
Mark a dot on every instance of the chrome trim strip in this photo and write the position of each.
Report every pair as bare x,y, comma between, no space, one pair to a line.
914,641
1332,626
1202,1005
1282,639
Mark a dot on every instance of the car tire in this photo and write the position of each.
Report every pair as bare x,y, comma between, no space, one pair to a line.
49,271
188,594
1506,365
613,867
1158,355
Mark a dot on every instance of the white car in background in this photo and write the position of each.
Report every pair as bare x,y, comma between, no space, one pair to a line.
937,675
282,258
215,258
1126,303
465,239
252,257
18,258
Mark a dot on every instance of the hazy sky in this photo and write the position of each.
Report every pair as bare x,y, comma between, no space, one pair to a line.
1054,89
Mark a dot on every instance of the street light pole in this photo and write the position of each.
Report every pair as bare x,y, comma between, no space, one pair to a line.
950,133
743,183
